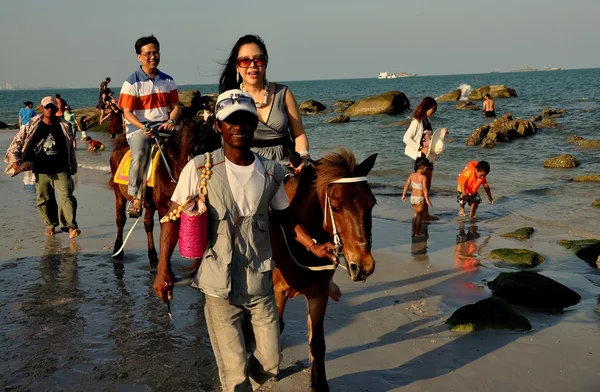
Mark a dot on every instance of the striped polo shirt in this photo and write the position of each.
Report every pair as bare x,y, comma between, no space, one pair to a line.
148,98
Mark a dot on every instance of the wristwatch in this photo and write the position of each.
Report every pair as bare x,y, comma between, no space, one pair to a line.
146,127
172,122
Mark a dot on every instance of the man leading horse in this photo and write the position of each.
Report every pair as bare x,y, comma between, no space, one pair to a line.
235,272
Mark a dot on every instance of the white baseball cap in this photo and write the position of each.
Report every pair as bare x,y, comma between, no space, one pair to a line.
232,101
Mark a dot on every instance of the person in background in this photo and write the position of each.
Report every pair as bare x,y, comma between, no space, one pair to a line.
94,145
45,146
103,86
417,139
489,106
116,121
107,98
61,106
280,130
69,117
149,99
82,125
470,179
26,113
419,195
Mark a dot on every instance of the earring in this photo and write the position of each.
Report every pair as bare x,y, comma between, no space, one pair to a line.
238,77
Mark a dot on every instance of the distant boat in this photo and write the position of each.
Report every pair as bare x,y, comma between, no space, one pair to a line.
385,75
550,69
526,69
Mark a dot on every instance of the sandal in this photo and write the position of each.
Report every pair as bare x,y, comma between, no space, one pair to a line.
135,209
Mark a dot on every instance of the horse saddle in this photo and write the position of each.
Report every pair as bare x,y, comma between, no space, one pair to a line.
122,174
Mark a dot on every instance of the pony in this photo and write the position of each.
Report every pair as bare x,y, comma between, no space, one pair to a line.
194,138
333,201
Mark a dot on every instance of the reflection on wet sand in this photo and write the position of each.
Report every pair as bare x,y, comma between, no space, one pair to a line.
418,247
48,318
466,253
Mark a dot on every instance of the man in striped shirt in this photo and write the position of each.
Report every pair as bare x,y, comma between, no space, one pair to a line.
149,99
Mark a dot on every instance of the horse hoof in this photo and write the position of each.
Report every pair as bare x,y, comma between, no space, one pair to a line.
118,256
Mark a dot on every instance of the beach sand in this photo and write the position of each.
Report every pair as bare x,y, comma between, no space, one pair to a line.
71,318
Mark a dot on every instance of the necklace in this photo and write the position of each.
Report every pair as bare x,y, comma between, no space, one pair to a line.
265,99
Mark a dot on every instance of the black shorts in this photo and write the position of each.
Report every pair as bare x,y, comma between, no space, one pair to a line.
473,198
491,113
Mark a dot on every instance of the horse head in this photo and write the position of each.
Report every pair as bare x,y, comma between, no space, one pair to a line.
347,203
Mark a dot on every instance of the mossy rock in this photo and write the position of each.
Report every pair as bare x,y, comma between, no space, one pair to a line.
490,313
530,289
596,203
522,257
588,178
587,250
522,234
565,161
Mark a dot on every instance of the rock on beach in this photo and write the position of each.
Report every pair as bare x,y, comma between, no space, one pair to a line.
502,129
338,120
495,91
311,107
466,105
532,290
587,250
522,234
565,161
391,102
449,97
490,313
519,257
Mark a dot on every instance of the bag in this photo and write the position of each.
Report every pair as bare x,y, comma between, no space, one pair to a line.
193,231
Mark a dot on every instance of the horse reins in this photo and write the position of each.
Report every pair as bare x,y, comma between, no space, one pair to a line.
337,239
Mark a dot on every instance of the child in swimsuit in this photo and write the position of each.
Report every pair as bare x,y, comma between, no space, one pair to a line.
419,194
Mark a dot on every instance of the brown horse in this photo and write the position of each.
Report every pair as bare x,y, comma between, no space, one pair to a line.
351,204
192,139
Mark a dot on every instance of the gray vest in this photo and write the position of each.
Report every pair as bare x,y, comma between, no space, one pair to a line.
237,263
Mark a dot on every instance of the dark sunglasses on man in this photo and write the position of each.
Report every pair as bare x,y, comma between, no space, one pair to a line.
245,62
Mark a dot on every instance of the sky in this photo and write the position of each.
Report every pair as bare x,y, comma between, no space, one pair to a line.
70,43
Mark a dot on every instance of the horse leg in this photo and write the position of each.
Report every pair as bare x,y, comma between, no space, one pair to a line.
281,299
317,305
120,210
149,227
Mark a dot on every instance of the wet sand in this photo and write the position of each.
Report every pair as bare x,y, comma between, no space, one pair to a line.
71,318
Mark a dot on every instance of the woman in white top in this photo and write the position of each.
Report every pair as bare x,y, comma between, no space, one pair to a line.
418,139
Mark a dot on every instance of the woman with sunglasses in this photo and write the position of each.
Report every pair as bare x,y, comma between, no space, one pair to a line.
278,114
280,130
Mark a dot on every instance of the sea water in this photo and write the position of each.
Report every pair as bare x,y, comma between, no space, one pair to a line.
525,192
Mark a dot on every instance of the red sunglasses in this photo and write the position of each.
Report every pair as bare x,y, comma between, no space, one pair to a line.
245,62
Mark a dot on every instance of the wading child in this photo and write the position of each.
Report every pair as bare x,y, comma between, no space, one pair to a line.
94,145
419,195
470,179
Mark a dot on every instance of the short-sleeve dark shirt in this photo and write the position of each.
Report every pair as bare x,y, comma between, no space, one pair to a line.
49,150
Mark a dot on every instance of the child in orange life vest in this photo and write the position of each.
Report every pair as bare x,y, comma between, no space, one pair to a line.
470,179
419,195
95,145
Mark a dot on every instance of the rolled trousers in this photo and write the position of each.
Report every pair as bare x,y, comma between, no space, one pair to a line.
245,341
48,186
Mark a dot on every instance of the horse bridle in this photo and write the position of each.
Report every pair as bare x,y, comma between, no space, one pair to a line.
337,239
